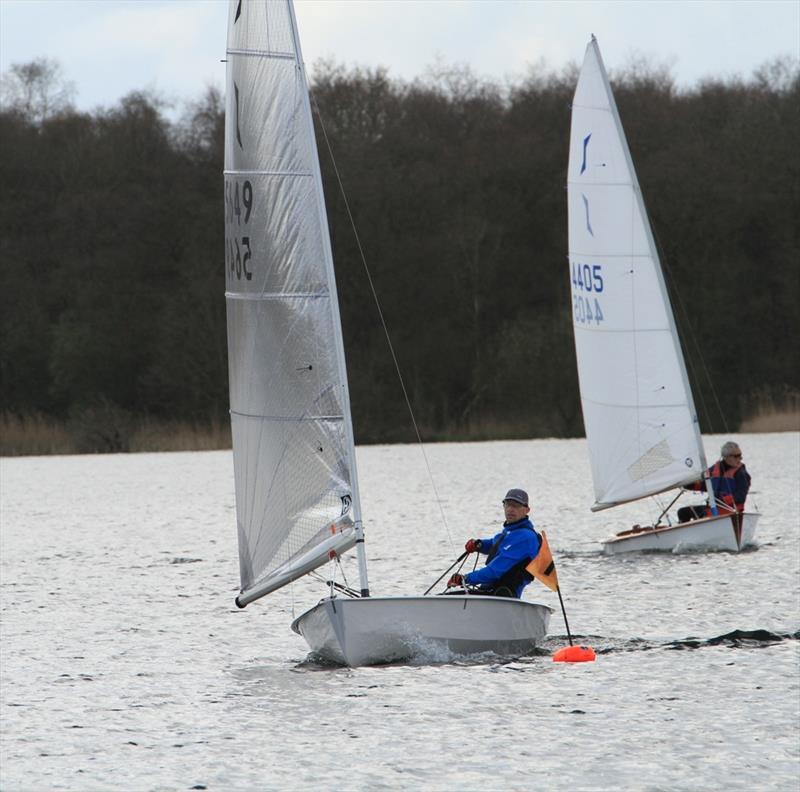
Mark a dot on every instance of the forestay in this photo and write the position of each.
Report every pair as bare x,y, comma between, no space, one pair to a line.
641,424
296,492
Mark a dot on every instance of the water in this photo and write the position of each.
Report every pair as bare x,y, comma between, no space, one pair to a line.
124,664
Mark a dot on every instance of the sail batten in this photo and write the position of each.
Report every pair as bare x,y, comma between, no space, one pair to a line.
641,424
294,460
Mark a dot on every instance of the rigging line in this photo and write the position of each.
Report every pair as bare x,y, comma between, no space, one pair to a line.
698,351
341,569
380,314
345,589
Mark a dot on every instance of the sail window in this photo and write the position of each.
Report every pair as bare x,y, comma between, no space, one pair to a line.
655,459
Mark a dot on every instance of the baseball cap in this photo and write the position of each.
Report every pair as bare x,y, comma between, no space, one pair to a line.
518,495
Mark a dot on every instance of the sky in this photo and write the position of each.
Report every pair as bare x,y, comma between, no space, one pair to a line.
108,48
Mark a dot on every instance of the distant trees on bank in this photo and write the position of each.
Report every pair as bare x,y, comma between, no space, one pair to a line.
111,234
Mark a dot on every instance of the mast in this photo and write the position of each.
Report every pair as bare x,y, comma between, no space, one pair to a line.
326,241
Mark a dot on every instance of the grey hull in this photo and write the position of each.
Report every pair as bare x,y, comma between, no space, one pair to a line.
372,630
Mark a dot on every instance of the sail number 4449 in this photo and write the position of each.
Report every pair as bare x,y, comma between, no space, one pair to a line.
587,281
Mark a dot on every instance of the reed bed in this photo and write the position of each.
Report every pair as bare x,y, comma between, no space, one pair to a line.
772,421
33,435
771,414
180,436
37,435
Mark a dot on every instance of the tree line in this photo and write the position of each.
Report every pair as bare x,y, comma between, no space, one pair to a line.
112,241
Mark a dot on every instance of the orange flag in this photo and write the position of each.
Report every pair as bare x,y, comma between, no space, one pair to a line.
543,568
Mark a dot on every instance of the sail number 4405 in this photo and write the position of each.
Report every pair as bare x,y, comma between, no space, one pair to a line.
587,279
238,208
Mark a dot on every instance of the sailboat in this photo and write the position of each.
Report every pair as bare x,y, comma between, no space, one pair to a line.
296,483
642,429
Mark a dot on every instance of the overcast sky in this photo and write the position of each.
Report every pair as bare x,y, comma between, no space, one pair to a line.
110,47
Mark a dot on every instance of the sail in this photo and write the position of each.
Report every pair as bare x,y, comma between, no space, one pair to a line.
641,424
293,455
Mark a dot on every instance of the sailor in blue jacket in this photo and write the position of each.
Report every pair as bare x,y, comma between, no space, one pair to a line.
508,552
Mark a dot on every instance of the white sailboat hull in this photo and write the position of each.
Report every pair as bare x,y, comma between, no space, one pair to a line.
370,630
724,532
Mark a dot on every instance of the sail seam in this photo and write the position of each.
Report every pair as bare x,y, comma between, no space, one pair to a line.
588,185
263,54
626,330
600,108
243,171
289,419
277,295
658,406
648,255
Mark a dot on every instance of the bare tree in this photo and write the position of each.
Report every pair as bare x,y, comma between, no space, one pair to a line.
37,90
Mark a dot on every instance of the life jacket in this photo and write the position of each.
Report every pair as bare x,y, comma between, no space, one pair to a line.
722,491
542,567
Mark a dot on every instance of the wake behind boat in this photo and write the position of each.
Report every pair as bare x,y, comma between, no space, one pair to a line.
641,424
297,498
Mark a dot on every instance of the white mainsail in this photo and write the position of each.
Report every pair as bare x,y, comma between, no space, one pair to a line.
294,461
641,424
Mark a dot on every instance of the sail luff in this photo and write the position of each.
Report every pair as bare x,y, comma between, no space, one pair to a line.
641,423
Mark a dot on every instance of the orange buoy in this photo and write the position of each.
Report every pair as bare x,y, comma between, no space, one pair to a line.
574,654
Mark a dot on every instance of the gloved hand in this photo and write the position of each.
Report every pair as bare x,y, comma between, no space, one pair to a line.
455,580
472,545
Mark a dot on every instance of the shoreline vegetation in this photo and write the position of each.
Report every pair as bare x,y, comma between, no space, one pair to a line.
112,309
772,415
39,435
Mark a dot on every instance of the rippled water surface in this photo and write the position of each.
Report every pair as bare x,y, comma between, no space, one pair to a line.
124,664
